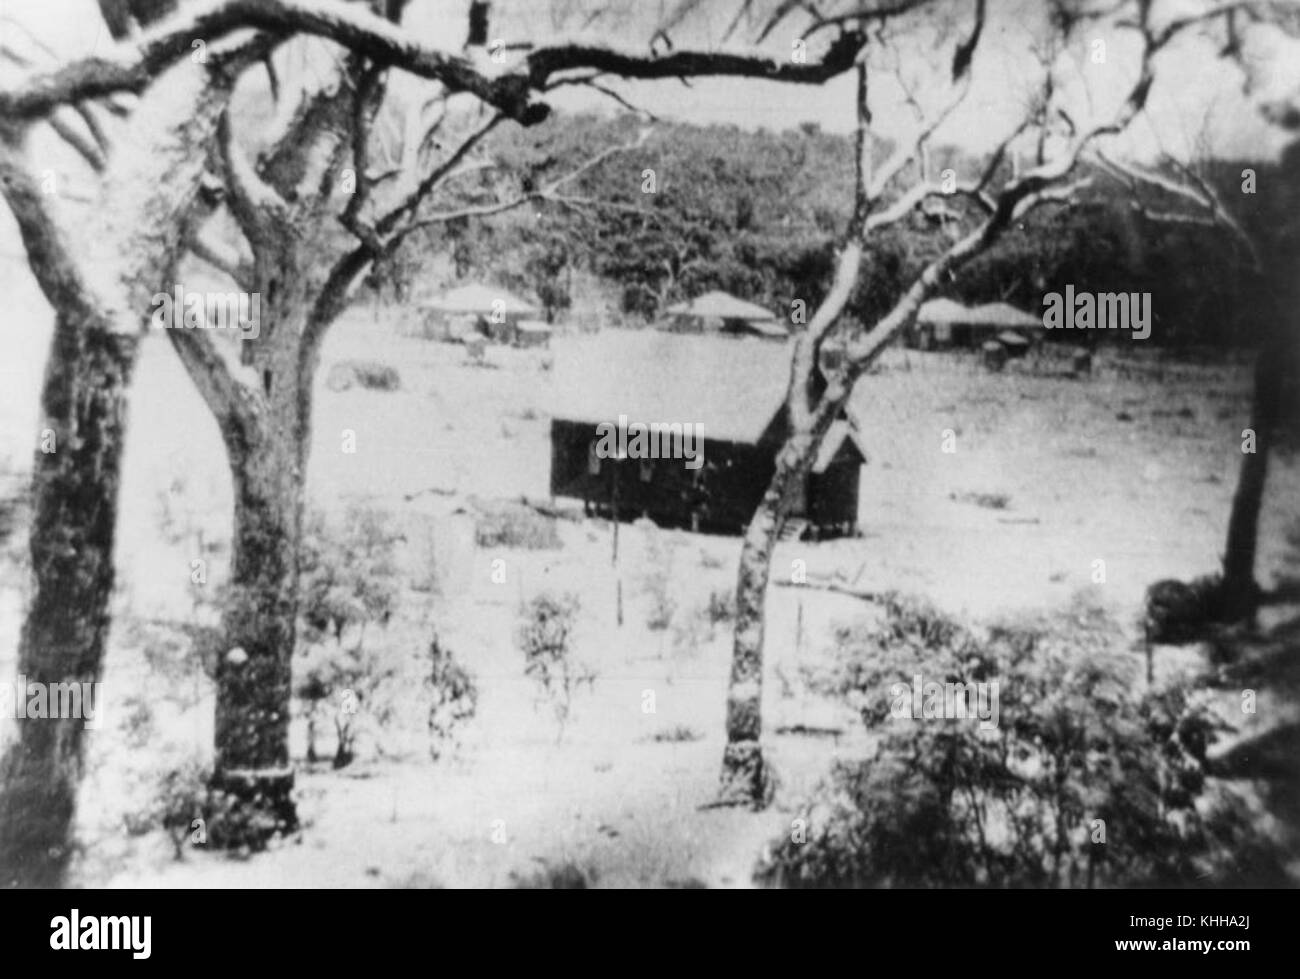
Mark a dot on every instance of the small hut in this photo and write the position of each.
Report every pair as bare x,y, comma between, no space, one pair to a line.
495,313
720,312
942,324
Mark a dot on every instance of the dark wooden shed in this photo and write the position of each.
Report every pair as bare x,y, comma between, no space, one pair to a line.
735,393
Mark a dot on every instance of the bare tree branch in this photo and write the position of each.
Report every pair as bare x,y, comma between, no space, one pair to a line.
803,362
130,67
88,116
862,13
232,402
912,147
48,254
863,351
961,59
839,57
385,225
254,203
363,112
548,192
84,145
1160,39
389,233
226,260
590,81
1201,196
1042,185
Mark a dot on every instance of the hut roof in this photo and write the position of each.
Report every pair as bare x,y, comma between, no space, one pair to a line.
942,311
1008,316
720,305
766,328
733,389
999,316
480,299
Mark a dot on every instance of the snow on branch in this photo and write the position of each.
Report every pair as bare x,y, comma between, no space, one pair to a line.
131,66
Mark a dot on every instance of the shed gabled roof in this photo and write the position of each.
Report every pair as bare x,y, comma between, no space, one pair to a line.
721,305
734,390
839,433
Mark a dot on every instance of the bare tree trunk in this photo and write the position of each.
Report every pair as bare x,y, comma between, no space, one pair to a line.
745,775
67,623
267,451
84,398
260,624
1240,592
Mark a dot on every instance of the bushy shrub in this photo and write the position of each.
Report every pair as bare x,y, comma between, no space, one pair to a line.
453,698
563,876
179,799
368,374
185,650
348,574
692,632
193,813
516,525
989,501
676,734
1175,612
662,608
721,607
359,682
545,636
1084,781
348,583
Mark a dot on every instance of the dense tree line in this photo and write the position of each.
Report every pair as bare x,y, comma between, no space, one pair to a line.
755,213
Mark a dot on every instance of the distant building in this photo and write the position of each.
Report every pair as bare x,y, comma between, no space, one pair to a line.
719,312
490,311
736,392
942,324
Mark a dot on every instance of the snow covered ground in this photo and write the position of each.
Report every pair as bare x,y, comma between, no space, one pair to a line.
1049,476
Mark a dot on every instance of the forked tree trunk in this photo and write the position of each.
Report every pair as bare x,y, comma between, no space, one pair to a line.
63,638
267,436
